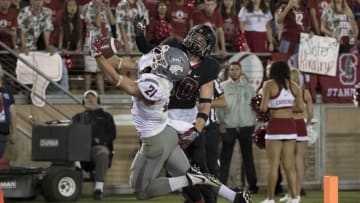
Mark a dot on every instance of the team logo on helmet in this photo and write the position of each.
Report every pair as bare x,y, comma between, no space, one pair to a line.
170,62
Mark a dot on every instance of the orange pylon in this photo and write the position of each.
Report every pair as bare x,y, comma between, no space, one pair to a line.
1,195
331,189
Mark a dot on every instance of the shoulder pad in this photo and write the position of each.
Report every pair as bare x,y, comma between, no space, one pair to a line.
152,87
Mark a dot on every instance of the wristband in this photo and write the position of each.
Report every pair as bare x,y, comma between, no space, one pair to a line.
205,100
203,116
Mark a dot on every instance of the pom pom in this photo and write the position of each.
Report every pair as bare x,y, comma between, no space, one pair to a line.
162,31
191,3
259,137
255,105
240,42
68,62
312,134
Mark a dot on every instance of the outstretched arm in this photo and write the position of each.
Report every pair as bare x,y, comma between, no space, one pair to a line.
139,27
206,94
121,81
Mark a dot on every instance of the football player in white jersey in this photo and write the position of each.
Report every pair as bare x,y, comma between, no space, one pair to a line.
157,71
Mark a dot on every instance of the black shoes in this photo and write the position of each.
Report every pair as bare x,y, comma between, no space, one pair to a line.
254,190
98,195
243,197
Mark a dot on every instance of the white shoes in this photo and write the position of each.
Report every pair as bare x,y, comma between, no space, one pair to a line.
286,198
268,201
295,200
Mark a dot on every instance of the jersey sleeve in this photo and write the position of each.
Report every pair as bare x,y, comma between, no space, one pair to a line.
212,69
150,87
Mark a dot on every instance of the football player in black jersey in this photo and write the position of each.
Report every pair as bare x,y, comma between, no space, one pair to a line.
198,86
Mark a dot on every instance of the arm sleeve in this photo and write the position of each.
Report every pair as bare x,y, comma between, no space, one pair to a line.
143,45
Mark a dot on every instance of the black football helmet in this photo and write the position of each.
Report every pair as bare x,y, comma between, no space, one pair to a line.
200,40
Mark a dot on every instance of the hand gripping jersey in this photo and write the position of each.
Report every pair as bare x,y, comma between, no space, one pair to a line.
150,113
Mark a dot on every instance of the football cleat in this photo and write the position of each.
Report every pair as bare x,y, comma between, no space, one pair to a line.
243,197
196,177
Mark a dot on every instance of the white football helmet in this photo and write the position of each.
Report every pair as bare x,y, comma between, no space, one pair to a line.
170,62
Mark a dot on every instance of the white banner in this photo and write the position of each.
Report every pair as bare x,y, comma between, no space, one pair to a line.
51,66
318,54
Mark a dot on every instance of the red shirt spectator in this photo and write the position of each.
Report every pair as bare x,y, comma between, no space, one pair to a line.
160,27
214,19
231,28
8,24
294,18
255,20
83,2
151,7
180,17
56,7
212,16
316,9
231,24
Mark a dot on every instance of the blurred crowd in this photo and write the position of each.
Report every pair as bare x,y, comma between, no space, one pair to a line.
69,26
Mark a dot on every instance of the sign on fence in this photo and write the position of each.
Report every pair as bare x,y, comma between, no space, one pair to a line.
51,66
318,54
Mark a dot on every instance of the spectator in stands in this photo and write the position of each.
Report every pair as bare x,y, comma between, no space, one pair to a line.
283,97
19,4
103,133
8,25
152,7
56,7
70,38
126,12
98,20
338,22
231,25
8,131
237,122
180,17
113,5
211,15
316,9
355,7
294,19
159,27
255,21
34,21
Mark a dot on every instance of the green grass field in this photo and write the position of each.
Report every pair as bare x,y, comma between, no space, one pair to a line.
311,197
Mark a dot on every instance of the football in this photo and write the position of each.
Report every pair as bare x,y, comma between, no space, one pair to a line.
110,47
